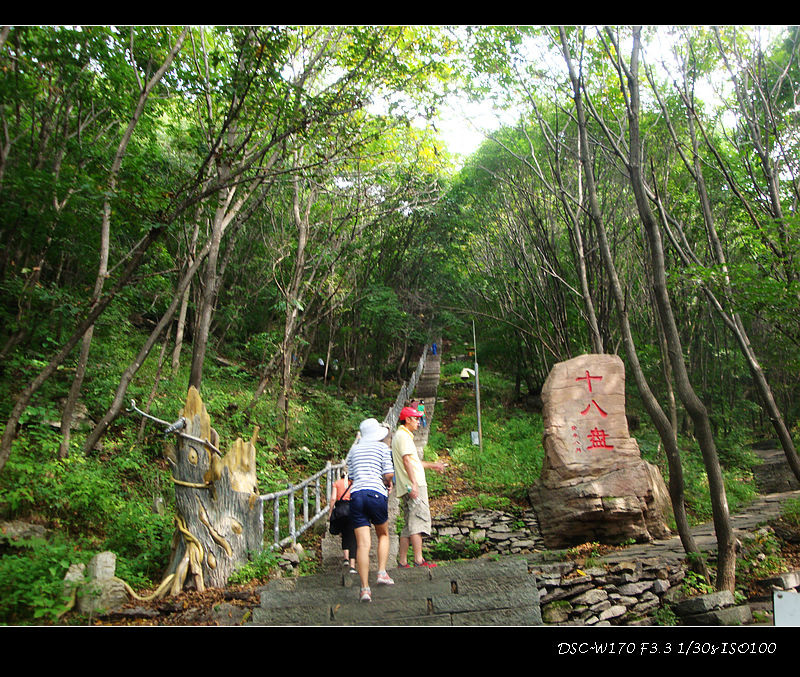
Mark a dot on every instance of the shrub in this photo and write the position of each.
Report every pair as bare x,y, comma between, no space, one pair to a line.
791,511
760,556
32,580
259,568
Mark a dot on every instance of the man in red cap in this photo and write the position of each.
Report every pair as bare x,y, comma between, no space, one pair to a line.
412,488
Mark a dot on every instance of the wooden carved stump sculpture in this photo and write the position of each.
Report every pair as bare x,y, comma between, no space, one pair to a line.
218,510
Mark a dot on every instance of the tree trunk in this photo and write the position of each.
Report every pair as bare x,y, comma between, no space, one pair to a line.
210,288
181,324
154,389
219,512
293,297
654,410
726,555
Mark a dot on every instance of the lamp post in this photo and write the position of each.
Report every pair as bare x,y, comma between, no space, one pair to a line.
477,389
465,374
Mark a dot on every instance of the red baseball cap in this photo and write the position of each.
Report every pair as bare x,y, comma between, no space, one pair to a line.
408,412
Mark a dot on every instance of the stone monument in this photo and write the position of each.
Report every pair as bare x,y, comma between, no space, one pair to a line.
594,485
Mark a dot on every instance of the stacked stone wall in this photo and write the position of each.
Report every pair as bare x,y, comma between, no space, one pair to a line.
625,593
571,592
487,532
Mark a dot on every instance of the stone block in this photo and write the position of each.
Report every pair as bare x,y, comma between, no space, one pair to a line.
594,485
449,531
613,612
557,594
660,586
102,566
526,615
633,589
102,595
704,603
591,597
297,615
556,613
784,581
732,615
380,609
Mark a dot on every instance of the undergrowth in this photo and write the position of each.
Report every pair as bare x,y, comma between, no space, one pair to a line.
106,498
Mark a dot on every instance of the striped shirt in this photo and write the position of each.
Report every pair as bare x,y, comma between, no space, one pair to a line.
367,463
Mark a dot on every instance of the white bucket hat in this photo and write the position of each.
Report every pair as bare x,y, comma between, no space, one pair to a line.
372,431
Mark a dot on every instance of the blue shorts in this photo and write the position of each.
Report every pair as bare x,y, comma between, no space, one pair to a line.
368,507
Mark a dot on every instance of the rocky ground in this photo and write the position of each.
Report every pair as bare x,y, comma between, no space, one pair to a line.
232,605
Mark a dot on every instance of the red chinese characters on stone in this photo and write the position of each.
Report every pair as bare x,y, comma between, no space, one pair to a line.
589,406
597,436
598,439
588,378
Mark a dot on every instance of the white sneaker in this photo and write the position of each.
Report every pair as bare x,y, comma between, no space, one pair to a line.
366,595
384,579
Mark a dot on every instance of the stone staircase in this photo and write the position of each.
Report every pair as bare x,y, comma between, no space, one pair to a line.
479,592
492,591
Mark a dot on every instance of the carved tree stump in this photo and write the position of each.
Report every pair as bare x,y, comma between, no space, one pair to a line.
218,511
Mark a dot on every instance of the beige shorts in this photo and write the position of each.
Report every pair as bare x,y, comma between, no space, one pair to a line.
416,514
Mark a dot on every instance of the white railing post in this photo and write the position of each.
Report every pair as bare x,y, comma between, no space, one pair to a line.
292,531
276,516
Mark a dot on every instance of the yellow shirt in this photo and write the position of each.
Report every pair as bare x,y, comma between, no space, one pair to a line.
403,445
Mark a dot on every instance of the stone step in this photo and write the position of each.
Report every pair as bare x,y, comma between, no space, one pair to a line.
479,592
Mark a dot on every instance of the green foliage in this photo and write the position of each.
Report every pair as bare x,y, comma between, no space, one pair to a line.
512,454
448,548
32,588
141,539
399,252
480,502
759,557
694,584
736,458
512,438
665,616
325,425
103,501
260,567
790,511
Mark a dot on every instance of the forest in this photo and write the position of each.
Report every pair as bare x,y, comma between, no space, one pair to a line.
255,210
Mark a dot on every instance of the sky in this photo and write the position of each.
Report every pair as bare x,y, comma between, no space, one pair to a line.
462,125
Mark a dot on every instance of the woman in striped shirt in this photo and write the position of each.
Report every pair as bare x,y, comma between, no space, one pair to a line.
369,466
